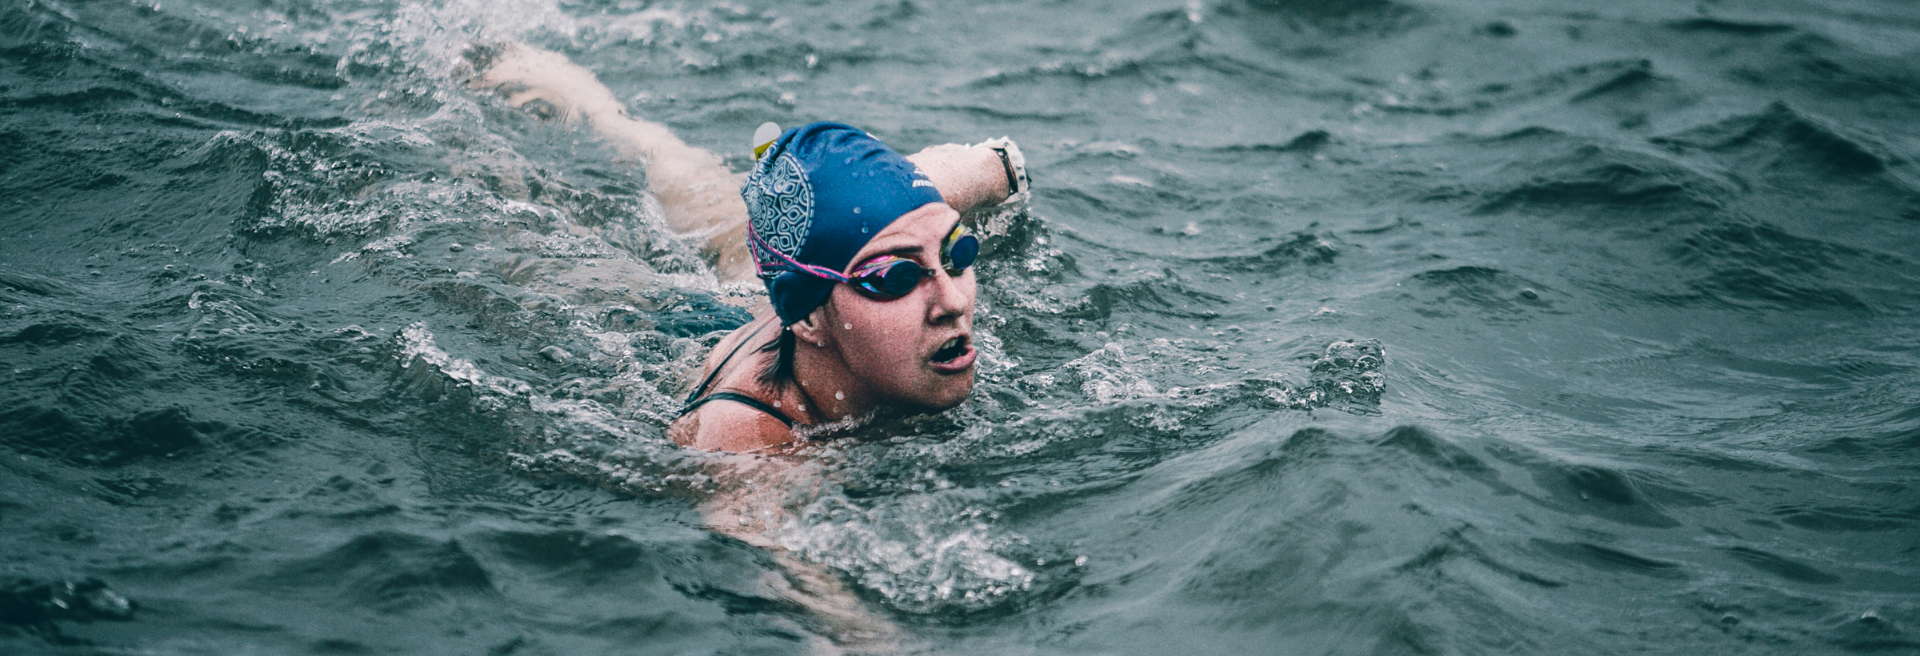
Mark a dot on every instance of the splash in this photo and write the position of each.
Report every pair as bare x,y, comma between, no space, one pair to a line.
926,552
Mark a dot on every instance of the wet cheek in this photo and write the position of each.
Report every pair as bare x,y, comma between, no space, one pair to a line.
887,349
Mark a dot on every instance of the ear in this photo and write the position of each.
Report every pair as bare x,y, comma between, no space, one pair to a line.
808,330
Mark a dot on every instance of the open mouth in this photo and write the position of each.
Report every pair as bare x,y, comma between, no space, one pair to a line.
954,348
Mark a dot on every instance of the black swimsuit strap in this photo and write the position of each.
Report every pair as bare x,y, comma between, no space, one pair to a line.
730,395
695,400
702,387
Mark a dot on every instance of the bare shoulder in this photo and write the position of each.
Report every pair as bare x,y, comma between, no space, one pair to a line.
724,425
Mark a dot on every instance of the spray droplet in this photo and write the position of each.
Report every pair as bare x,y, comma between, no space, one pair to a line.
856,210
776,404
839,396
849,326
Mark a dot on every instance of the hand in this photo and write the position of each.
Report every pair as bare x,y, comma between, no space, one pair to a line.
529,75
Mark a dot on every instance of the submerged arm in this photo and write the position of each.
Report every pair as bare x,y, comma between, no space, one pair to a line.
750,508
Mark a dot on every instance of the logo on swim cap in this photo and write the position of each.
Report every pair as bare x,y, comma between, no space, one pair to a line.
780,204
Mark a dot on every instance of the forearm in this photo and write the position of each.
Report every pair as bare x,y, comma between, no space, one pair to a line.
690,181
700,196
967,177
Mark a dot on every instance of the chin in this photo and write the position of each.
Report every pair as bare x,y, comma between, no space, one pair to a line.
949,395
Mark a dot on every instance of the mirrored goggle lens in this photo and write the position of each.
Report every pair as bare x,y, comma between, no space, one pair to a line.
961,253
901,278
892,279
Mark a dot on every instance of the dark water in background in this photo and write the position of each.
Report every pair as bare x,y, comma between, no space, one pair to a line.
274,291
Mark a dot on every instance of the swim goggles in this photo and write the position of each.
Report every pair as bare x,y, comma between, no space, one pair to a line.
887,277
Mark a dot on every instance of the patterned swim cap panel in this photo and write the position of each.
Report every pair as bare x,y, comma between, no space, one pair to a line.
780,206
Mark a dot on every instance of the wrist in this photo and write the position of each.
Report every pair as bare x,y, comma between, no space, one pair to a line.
1012,165
1002,167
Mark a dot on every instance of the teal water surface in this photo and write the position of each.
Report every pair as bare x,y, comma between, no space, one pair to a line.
1358,327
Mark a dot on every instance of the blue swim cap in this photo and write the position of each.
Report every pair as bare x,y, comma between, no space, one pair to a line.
818,194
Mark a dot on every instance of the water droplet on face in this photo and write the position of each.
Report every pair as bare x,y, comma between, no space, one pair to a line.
839,396
776,404
849,326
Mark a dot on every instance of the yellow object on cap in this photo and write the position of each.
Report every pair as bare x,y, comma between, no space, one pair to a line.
764,137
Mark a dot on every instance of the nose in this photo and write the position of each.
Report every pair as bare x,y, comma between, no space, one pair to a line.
950,298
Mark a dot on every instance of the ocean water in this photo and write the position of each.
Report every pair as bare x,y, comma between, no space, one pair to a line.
1350,327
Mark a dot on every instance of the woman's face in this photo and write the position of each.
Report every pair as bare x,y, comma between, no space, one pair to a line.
914,351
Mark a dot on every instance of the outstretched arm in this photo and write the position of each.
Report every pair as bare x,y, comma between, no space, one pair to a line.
700,195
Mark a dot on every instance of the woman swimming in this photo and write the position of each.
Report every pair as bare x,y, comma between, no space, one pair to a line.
864,254
868,270
868,267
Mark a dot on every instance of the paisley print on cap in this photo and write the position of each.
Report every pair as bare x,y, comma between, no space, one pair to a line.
780,203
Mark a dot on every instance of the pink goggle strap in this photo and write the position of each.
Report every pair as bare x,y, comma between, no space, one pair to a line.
764,270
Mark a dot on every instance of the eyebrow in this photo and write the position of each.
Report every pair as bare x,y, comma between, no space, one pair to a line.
895,251
908,248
